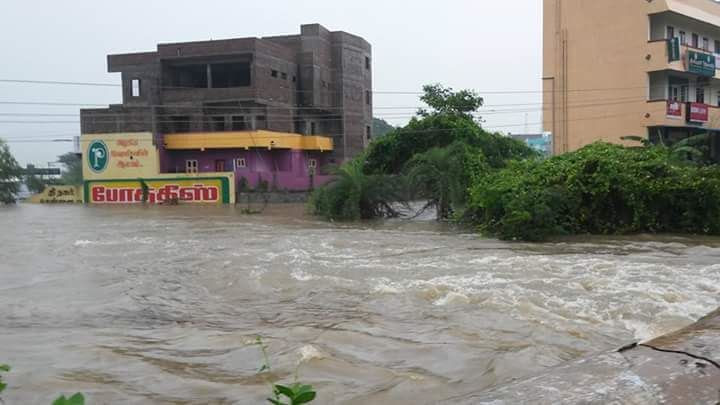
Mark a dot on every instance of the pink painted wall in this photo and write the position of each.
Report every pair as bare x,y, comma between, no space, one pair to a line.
282,168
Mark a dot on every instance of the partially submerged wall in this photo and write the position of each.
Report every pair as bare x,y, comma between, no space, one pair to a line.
679,368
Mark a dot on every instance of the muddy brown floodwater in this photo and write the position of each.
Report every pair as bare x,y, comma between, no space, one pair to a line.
162,304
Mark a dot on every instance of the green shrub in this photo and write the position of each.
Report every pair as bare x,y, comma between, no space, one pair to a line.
599,189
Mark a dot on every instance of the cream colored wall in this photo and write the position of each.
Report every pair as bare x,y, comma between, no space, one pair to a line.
605,73
131,155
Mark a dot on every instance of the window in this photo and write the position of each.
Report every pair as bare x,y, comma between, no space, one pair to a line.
368,97
312,163
294,79
219,165
191,166
283,75
367,61
684,93
368,132
238,123
718,99
695,40
700,95
186,76
274,73
670,32
226,75
717,46
260,122
706,44
136,87
179,124
312,128
217,123
683,38
240,163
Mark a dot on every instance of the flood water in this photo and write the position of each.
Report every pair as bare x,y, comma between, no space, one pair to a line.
163,304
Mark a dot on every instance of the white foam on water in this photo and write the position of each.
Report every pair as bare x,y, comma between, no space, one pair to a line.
452,298
308,353
84,242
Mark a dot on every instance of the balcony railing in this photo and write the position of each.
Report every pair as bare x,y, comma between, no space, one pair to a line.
663,55
681,114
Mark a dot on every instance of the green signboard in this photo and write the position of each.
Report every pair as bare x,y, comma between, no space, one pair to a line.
701,63
97,156
674,49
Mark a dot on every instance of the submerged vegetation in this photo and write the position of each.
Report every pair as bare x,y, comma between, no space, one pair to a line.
599,189
503,188
76,399
296,393
432,158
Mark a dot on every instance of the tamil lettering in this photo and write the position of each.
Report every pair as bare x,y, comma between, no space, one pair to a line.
166,193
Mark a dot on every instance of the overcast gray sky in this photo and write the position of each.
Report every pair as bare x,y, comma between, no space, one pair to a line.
489,46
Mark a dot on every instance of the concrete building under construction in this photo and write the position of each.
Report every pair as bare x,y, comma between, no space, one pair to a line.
281,109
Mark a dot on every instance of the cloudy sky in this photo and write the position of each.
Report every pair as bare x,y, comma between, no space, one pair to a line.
492,47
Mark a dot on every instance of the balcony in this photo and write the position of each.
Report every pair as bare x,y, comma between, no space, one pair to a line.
198,95
658,58
660,113
246,140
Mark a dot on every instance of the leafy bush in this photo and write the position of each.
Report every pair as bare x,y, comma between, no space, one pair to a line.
389,154
77,399
3,368
434,158
442,176
9,174
355,195
599,189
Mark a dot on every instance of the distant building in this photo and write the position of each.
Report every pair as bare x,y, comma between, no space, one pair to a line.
539,142
280,110
613,68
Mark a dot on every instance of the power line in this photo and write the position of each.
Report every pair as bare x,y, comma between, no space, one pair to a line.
399,114
71,83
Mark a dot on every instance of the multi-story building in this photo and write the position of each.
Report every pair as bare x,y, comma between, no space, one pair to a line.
277,108
647,68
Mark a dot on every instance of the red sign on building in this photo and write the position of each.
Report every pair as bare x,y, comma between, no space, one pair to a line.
697,112
674,109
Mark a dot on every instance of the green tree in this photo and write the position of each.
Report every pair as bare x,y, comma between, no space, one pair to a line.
73,168
354,195
444,100
599,189
381,127
10,173
34,183
442,176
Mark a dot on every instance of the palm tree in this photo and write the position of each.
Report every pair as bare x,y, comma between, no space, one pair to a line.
439,175
691,150
354,195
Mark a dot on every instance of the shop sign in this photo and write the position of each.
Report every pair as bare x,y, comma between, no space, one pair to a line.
119,156
674,109
97,156
697,112
58,194
159,191
701,63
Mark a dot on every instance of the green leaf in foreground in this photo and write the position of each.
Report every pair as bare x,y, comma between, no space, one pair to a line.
77,399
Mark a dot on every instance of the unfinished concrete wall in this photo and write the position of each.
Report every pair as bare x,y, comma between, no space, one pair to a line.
318,82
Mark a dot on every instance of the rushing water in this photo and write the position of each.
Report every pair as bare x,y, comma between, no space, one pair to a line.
163,304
